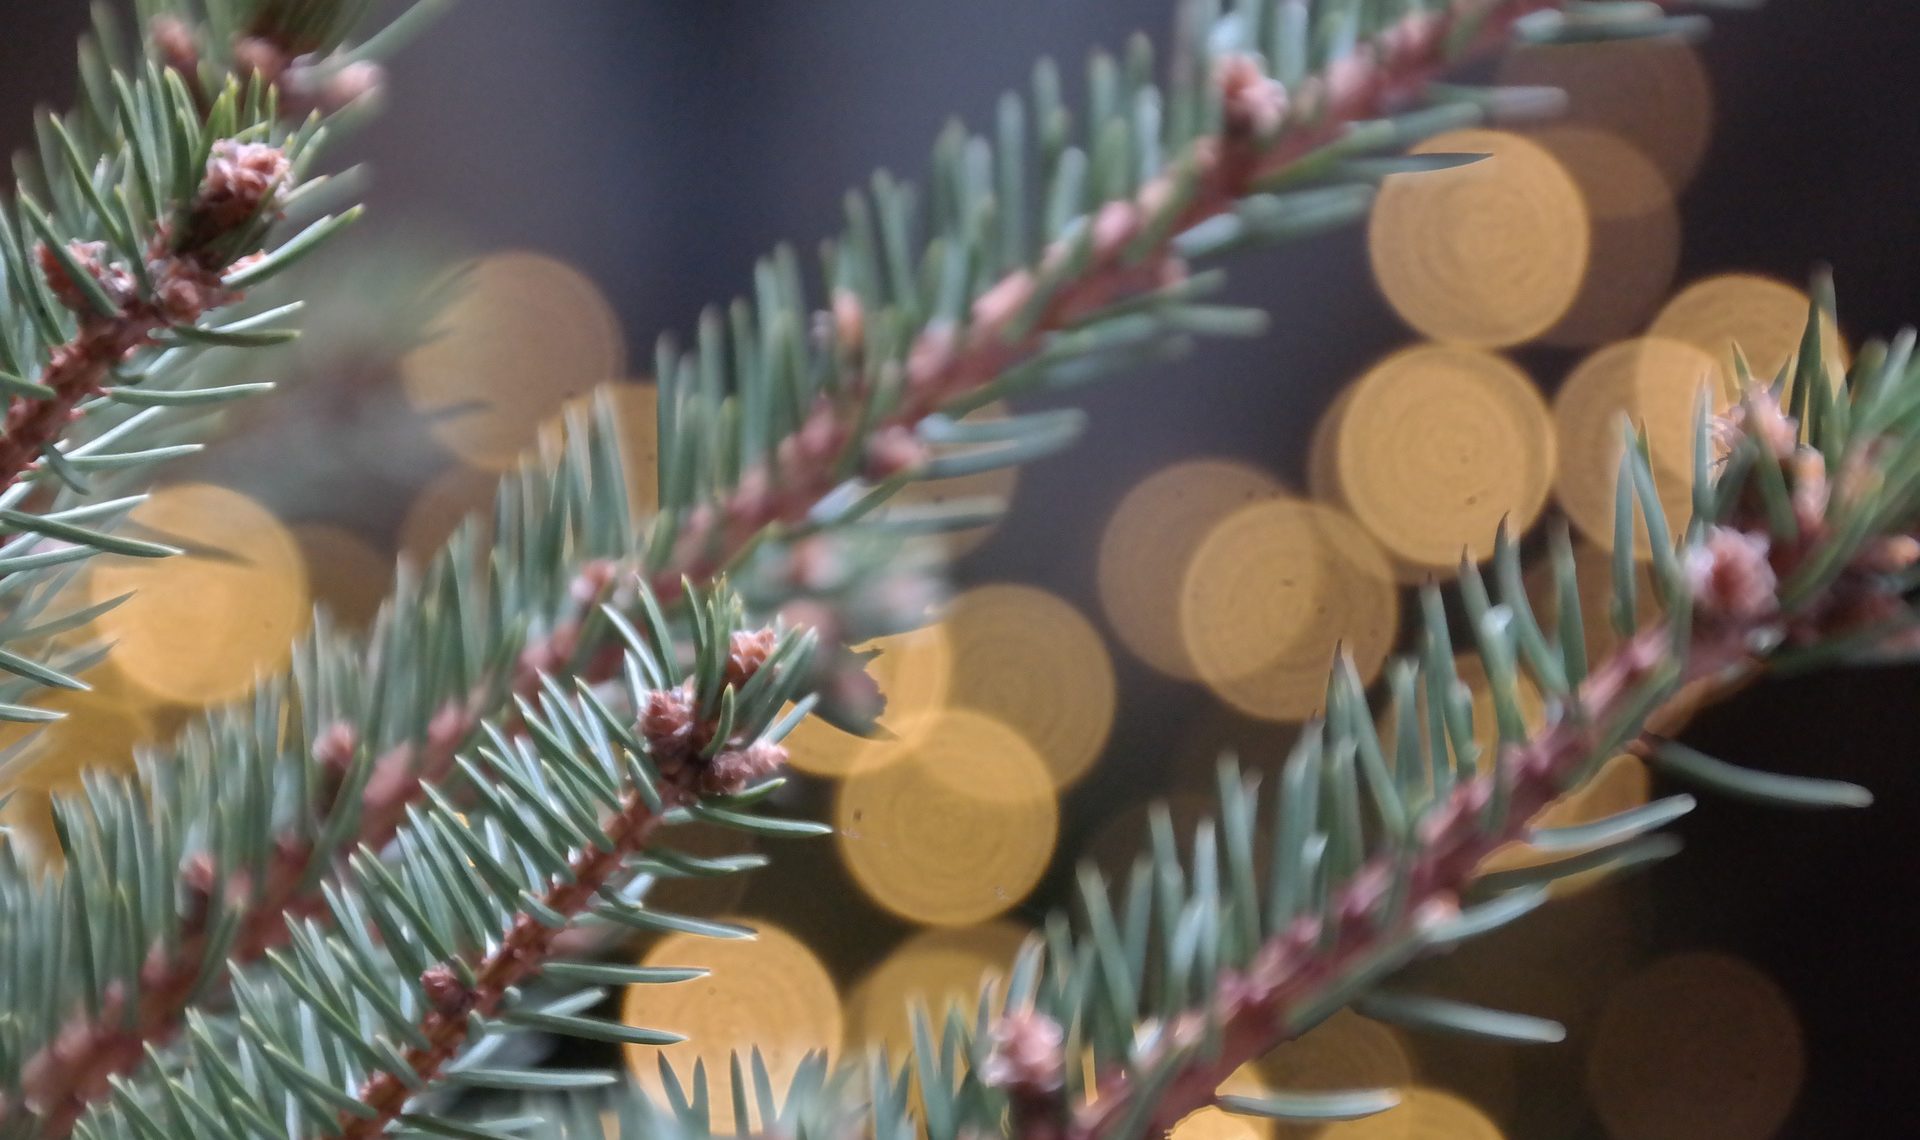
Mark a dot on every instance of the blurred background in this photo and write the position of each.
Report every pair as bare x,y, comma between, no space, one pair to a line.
604,168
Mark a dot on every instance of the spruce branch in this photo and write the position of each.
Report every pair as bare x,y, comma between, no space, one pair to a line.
775,436
433,947
1118,1024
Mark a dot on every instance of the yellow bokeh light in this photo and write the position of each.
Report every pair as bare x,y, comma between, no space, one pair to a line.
1148,542
1651,91
1346,1051
1636,235
204,625
1487,254
1219,1124
1657,383
1698,1046
1422,1114
100,730
954,831
525,333
1269,594
1030,660
914,671
636,416
768,992
345,572
936,968
442,505
1437,444
1765,318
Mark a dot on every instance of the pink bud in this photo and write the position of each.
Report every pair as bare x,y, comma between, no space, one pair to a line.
1731,577
1027,1052
1253,102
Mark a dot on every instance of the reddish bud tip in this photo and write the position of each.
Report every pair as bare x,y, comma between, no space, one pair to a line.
242,179
747,651
737,769
450,996
1026,1052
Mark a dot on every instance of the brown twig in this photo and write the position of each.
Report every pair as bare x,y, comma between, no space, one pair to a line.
185,270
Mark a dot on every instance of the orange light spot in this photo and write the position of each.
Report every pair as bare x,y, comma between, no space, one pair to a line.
1487,254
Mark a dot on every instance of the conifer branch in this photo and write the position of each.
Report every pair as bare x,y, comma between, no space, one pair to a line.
1381,830
866,407
1123,249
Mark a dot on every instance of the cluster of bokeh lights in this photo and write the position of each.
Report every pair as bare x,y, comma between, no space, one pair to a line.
1212,571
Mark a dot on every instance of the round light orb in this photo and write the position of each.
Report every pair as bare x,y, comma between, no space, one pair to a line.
523,334
1148,542
1437,444
1030,660
768,992
1488,254
954,831
1270,593
1698,1046
1652,382
1636,236
1763,318
347,574
204,625
935,969
1652,92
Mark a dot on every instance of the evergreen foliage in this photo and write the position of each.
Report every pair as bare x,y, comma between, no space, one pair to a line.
321,911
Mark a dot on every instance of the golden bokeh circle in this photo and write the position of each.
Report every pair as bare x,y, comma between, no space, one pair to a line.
442,505
954,831
1698,1046
1271,591
1422,1114
203,626
914,671
1150,538
1652,91
937,968
1030,660
768,992
1438,444
636,420
1765,318
524,334
1488,254
1636,236
1655,382
345,572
